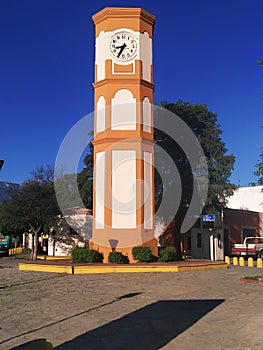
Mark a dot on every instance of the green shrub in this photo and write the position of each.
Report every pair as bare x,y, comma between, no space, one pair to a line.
83,254
142,253
167,254
94,256
118,258
78,254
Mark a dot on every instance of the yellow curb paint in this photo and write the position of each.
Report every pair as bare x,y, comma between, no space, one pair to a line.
250,262
259,263
124,269
202,267
41,257
77,270
47,257
241,261
130,269
235,261
46,268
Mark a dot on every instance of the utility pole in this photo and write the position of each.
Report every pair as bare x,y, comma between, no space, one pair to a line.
1,163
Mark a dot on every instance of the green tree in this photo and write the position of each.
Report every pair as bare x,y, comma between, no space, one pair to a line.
85,179
259,169
220,164
33,206
259,166
205,126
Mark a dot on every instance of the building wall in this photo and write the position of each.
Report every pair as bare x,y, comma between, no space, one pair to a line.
241,223
206,244
247,198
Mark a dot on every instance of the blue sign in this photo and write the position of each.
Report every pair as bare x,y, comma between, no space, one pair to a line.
209,217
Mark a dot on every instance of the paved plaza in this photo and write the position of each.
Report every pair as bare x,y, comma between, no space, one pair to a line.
195,310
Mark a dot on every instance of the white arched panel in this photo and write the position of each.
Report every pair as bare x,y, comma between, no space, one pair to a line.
100,189
148,194
123,111
100,113
146,114
146,55
123,188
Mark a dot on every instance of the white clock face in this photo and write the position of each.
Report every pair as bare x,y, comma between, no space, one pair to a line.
123,46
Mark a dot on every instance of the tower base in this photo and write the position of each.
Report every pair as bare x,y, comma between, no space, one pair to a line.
153,244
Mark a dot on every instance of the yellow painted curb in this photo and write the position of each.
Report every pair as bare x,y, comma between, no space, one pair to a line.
119,269
202,267
49,257
83,269
46,268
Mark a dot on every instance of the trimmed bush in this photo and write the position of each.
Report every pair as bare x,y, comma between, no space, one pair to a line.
142,253
78,254
94,256
118,258
167,254
83,254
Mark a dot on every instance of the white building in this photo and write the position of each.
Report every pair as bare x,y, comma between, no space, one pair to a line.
74,229
247,198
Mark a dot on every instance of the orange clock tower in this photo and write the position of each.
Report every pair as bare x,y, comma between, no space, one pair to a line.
123,192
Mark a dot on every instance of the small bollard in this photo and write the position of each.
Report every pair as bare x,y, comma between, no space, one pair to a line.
259,263
241,261
227,260
250,262
235,261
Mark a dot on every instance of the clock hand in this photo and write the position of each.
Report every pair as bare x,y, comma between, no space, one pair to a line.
122,47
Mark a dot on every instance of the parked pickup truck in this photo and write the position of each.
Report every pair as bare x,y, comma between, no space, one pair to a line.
252,246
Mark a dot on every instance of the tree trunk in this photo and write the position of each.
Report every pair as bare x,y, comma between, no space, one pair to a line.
35,245
178,237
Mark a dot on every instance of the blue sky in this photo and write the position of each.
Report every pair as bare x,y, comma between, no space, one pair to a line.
46,72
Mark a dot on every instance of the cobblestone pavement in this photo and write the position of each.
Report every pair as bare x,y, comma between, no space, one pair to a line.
197,310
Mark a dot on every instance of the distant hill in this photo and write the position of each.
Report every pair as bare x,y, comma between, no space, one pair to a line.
5,189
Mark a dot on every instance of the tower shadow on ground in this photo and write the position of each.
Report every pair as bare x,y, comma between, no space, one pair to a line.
150,328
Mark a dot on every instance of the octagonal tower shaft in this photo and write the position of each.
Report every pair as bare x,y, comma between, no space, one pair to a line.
123,190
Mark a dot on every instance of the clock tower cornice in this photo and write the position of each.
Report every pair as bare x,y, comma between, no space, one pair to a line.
111,18
111,140
123,81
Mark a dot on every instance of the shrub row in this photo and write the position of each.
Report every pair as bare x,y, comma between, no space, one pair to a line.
167,254
83,254
140,253
118,258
